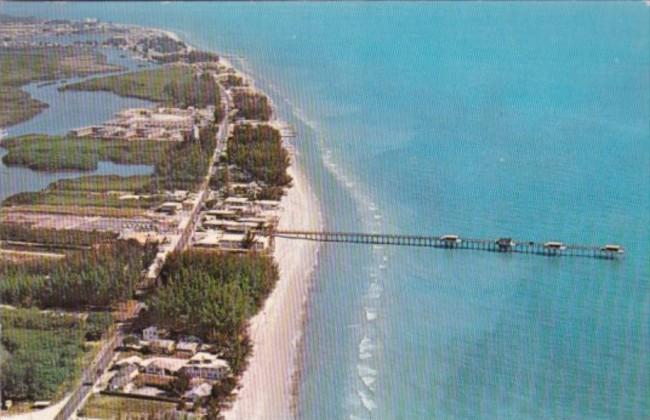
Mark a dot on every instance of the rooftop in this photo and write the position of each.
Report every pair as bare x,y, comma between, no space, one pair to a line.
171,364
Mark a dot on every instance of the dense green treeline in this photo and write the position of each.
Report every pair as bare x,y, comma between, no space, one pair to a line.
232,80
42,351
186,163
191,57
176,85
252,106
258,151
22,233
212,296
197,91
99,277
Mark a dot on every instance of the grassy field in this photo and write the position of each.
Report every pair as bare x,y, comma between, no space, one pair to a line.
24,65
172,85
75,211
80,198
54,153
99,183
109,407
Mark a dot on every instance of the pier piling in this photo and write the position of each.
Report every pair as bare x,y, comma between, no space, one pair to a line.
500,245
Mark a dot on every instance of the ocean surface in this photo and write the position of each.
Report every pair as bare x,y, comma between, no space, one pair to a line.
528,120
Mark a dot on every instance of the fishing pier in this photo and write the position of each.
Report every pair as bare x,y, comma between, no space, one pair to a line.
501,245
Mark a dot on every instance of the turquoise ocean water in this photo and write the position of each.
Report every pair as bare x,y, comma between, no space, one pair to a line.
482,119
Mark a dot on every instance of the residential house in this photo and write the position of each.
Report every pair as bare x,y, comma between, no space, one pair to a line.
199,391
268,204
206,366
162,346
160,371
150,333
236,201
223,214
170,207
125,374
186,350
131,360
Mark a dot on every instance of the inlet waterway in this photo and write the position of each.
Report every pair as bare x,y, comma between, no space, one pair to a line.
67,110
485,119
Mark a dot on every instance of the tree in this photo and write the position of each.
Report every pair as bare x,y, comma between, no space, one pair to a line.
258,152
218,113
130,340
180,384
96,324
249,240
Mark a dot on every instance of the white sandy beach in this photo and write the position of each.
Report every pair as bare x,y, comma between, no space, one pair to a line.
266,391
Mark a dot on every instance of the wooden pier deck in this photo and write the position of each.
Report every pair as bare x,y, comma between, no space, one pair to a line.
501,245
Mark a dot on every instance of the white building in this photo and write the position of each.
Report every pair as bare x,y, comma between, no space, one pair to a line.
206,366
150,333
236,200
164,366
170,207
199,391
268,204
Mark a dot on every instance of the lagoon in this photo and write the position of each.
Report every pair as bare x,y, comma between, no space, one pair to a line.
67,110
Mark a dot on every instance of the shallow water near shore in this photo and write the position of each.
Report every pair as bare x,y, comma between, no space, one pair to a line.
486,120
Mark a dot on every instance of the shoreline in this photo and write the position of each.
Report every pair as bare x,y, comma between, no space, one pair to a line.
267,387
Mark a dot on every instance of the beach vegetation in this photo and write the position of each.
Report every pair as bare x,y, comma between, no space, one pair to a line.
257,150
252,105
232,80
212,296
191,57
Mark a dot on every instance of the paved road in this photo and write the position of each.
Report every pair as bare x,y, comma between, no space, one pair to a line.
204,190
95,370
91,374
